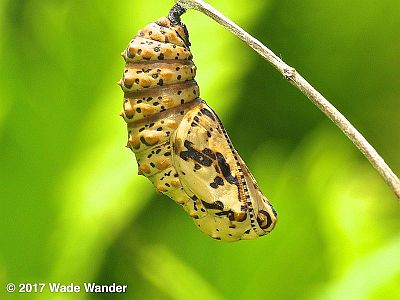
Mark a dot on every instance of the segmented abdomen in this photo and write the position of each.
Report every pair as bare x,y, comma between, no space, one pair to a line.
159,88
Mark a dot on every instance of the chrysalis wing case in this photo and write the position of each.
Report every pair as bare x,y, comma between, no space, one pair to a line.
180,143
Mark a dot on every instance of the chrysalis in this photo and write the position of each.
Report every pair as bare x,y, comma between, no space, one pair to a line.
180,143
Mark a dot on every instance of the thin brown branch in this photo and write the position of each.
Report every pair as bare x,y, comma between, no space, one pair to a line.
298,81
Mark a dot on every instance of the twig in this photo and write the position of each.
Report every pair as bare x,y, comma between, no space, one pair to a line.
298,81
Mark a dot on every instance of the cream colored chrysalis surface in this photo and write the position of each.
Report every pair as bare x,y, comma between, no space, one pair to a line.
179,142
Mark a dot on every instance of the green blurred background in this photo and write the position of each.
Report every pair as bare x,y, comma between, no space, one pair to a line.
74,210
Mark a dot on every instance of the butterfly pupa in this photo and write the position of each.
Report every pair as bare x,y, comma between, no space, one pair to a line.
180,143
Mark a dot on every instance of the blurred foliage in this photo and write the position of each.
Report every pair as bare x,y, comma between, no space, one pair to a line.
74,210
